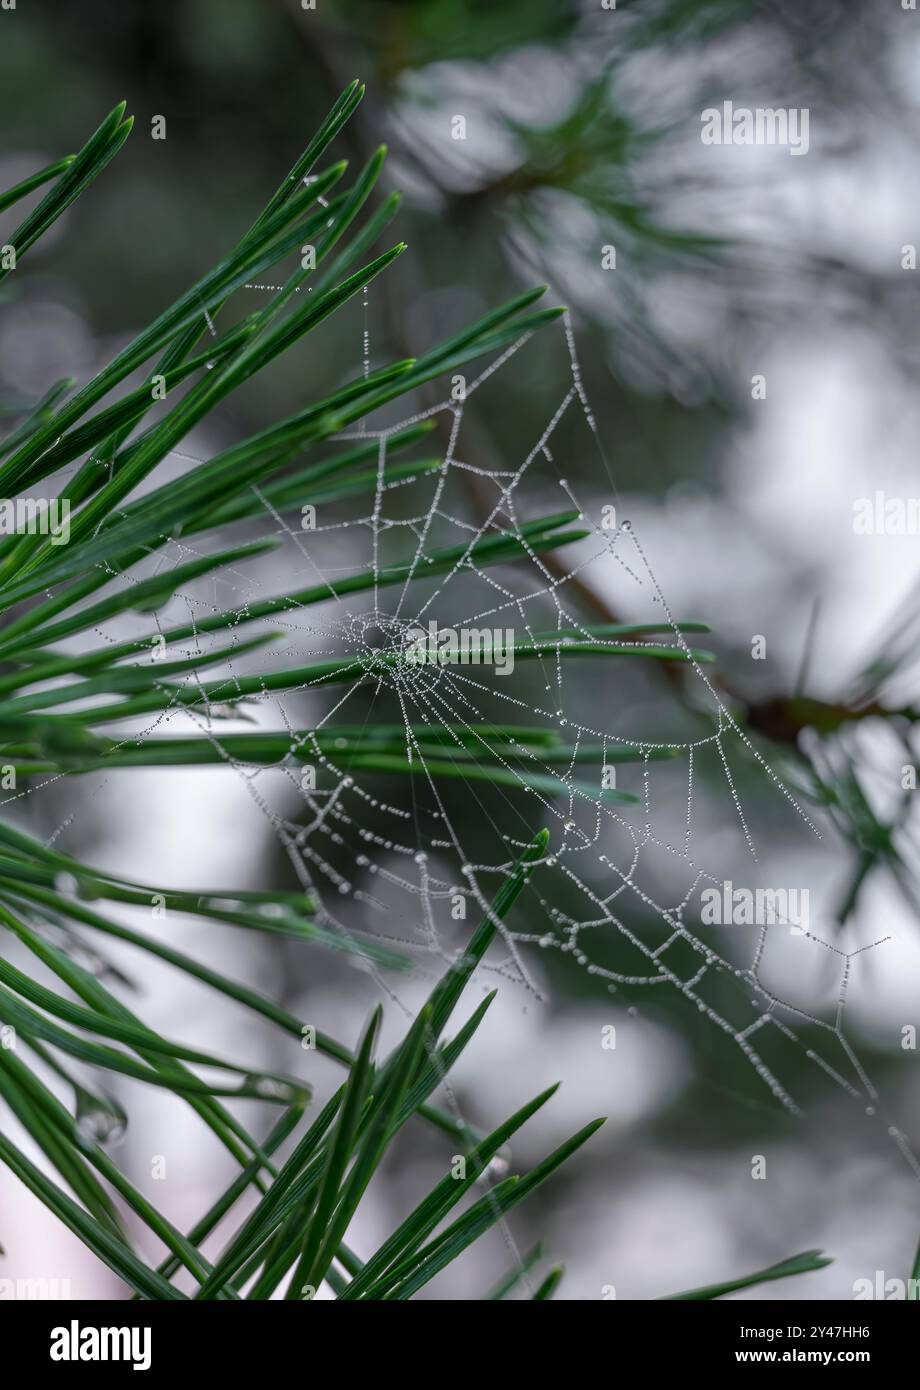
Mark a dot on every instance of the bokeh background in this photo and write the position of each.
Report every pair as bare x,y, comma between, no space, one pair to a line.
583,131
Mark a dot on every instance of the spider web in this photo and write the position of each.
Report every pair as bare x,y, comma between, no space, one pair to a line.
414,859
597,849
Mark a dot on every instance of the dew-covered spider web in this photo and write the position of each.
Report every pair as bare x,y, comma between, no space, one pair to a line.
408,785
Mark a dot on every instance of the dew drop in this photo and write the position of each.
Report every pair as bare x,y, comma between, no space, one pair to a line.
102,1121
